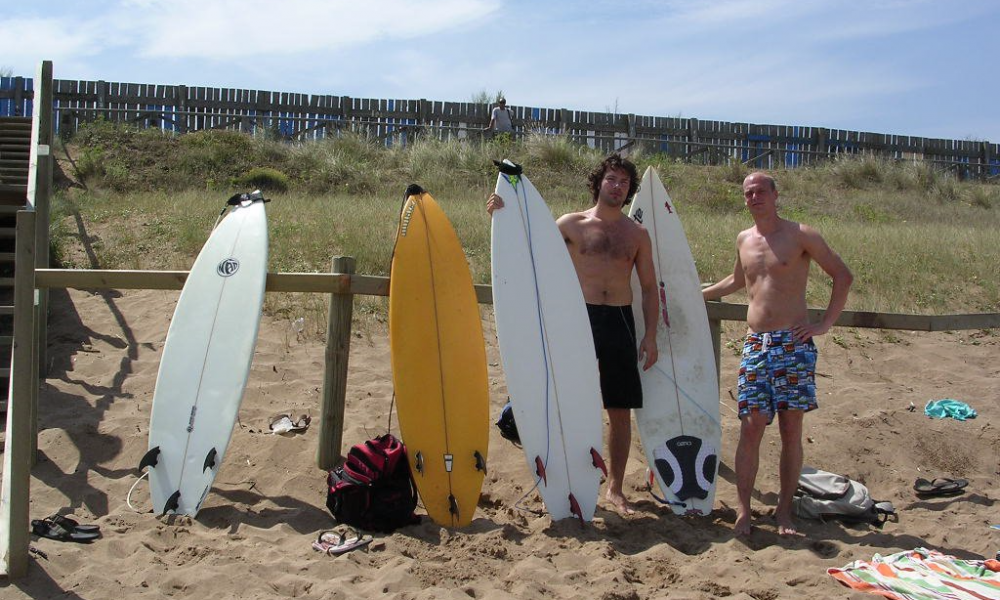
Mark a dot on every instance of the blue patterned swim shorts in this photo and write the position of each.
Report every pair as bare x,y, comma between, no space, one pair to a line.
777,373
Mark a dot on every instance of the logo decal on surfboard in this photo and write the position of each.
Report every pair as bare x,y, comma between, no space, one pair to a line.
663,304
190,427
228,267
638,216
406,218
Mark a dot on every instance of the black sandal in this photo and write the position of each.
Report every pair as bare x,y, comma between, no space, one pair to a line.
48,528
941,486
72,524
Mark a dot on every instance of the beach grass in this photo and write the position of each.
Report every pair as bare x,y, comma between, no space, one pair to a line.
917,239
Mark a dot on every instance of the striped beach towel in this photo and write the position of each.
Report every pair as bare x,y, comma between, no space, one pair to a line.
922,574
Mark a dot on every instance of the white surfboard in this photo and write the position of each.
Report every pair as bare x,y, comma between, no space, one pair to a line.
206,360
547,350
679,421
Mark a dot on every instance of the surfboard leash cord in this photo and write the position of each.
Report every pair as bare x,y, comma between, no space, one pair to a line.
128,497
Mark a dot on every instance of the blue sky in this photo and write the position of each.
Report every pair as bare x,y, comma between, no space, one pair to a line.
910,67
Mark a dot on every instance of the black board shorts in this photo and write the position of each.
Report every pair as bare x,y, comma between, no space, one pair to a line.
617,355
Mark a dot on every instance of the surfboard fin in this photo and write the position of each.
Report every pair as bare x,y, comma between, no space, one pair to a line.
453,505
418,462
209,460
480,462
574,507
508,168
540,469
599,461
150,459
173,502
412,190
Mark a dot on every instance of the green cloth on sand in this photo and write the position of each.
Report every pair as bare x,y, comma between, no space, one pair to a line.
948,407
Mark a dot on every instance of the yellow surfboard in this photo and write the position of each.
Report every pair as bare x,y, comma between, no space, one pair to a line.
438,362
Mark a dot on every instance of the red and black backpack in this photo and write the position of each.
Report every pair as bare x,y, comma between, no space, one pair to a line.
373,489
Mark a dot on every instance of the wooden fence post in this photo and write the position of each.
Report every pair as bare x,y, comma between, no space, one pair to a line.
16,488
822,135
692,135
102,100
180,108
424,110
338,351
985,158
715,327
40,191
565,118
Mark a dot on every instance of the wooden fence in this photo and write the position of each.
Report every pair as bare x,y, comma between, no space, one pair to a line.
299,116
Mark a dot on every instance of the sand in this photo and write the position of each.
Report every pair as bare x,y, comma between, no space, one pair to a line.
252,537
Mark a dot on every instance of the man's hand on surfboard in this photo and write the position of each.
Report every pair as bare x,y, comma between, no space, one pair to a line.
493,202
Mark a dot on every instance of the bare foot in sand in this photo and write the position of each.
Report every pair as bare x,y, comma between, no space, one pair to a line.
621,503
742,526
786,526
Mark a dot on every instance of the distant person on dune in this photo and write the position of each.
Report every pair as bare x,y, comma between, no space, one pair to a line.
777,372
606,246
501,119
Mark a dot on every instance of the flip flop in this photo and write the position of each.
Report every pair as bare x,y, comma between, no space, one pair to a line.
283,423
940,486
336,542
73,525
54,531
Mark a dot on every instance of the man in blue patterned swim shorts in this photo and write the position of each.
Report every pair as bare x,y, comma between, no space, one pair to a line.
777,373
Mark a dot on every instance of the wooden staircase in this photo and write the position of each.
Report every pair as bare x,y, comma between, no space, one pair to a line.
15,151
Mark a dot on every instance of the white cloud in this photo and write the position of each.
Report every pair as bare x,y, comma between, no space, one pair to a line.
25,41
756,17
231,29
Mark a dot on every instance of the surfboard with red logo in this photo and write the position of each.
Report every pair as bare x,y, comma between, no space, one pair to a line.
679,421
547,349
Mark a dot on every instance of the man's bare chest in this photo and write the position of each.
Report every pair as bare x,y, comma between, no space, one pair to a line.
610,243
772,257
